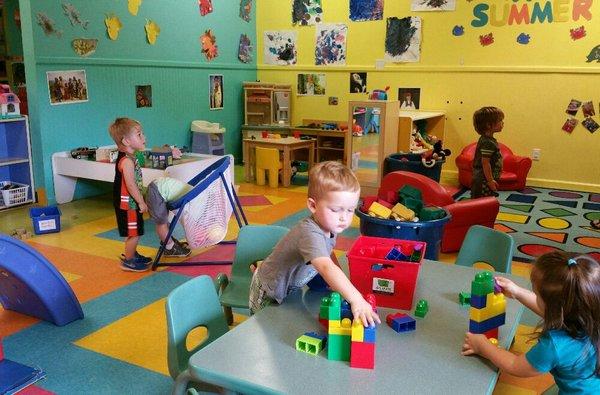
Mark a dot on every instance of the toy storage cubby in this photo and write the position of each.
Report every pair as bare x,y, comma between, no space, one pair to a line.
267,104
15,163
436,124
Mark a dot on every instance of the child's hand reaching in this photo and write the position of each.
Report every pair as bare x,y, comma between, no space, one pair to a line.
362,310
142,207
473,343
509,289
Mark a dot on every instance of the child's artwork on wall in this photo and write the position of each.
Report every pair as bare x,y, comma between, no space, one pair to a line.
333,100
152,31
331,44
113,26
48,25
366,10
588,109
208,42
573,107
280,47
133,6
433,5
74,17
307,12
143,96
245,49
403,39
523,38
577,33
84,46
205,7
311,84
215,91
409,98
590,124
67,87
358,82
593,55
245,9
569,125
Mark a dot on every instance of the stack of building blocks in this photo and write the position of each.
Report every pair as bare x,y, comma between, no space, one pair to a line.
407,205
311,343
464,298
422,308
401,322
488,309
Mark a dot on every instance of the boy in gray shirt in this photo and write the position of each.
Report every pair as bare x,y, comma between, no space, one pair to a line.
333,193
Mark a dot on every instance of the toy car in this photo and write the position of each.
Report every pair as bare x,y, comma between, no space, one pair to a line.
88,153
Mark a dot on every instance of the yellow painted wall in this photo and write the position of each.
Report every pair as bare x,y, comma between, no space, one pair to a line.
532,83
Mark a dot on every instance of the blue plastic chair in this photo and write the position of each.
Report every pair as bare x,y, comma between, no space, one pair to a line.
254,243
486,245
191,305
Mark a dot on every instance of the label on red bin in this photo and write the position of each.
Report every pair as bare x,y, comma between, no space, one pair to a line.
47,224
383,286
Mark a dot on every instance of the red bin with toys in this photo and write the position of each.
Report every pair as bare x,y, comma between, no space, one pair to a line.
388,268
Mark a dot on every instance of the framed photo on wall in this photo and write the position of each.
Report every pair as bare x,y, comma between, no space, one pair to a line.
215,91
409,98
67,87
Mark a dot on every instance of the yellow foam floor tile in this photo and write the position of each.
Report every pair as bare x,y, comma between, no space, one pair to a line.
70,277
507,389
516,218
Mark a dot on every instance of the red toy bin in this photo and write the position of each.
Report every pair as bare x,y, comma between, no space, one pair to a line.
392,281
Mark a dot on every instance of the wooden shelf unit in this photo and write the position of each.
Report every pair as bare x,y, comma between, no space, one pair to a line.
436,124
265,103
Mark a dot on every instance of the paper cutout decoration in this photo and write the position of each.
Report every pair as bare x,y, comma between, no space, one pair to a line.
523,38
458,30
133,6
590,124
143,96
403,39
84,46
569,125
358,82
573,107
486,39
280,47
245,49
74,17
205,7
578,33
366,10
311,84
208,41
48,25
113,26
588,109
433,5
307,12
593,55
245,9
331,44
152,31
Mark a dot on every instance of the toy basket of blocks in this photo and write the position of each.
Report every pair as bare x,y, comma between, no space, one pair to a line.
404,218
415,164
13,193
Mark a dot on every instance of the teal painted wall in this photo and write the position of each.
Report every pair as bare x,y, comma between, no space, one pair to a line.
174,66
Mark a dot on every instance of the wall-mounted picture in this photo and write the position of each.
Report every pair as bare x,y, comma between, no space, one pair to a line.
215,91
67,87
143,96
403,39
311,84
358,82
409,98
433,5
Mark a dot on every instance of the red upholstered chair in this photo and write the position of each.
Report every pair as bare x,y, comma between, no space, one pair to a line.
465,213
514,168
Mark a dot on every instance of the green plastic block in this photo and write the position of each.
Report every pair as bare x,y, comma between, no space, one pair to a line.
431,213
309,345
483,284
324,310
335,307
464,298
415,205
338,347
408,191
422,308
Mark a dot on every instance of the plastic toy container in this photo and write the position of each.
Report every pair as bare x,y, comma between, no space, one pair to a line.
207,138
45,219
16,195
430,232
412,163
392,281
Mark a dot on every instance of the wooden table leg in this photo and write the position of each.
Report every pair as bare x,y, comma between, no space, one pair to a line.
246,155
311,155
287,167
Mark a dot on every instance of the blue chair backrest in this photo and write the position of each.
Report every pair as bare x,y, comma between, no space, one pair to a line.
483,244
254,243
191,305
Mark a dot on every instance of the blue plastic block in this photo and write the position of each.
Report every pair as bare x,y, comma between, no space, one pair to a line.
396,255
404,324
370,334
317,336
478,301
346,311
484,326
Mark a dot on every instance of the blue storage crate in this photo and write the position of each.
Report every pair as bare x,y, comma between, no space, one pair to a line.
430,232
45,219
412,163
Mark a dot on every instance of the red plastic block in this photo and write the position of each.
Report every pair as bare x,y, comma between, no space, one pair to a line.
324,322
362,355
492,333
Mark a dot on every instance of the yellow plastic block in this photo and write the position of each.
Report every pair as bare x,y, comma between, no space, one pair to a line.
379,210
495,305
358,331
403,212
344,328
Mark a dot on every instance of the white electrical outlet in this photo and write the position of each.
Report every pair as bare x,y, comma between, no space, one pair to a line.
536,153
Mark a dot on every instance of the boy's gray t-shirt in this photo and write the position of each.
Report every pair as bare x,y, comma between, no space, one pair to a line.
288,267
